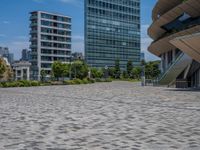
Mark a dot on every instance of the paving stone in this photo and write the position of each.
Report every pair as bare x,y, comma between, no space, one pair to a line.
114,116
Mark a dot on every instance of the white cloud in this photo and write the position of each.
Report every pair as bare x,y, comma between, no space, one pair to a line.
78,43
77,3
78,47
38,1
68,1
2,35
6,22
145,42
78,37
22,37
17,46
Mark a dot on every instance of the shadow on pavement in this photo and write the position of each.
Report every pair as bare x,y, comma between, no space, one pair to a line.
185,90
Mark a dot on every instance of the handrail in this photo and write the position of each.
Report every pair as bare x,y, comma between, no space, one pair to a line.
171,65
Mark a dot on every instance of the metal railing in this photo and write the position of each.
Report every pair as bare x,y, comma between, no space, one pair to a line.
151,82
170,65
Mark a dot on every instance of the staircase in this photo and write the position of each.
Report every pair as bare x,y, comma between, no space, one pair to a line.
175,69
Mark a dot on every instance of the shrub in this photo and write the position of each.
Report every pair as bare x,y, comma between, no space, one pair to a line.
35,83
91,80
55,83
45,83
108,80
85,81
3,84
78,81
9,84
19,84
69,82
24,83
13,84
98,80
104,80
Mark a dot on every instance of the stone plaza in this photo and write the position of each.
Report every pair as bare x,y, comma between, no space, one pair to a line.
101,116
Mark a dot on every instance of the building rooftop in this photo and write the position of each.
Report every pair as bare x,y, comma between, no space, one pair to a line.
51,13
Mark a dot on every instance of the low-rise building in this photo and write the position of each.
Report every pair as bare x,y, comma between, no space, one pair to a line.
21,70
77,56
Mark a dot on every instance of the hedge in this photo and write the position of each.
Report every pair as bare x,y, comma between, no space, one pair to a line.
23,83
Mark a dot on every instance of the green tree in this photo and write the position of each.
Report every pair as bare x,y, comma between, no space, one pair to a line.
111,72
129,68
79,69
43,75
125,75
9,73
152,70
96,73
2,67
143,63
58,69
66,70
117,69
136,72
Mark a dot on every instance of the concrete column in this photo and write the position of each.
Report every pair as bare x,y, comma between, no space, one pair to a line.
174,54
199,79
28,73
16,74
166,61
22,73
162,64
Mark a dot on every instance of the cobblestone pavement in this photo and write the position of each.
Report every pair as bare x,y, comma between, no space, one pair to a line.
113,116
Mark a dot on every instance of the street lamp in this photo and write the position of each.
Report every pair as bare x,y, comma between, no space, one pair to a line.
90,72
70,70
143,74
106,71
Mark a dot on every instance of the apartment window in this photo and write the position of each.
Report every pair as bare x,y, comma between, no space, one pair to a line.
46,23
46,16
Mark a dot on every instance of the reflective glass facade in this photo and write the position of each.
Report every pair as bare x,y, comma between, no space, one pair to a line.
112,31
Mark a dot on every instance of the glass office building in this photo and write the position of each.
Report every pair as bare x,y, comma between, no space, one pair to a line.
112,32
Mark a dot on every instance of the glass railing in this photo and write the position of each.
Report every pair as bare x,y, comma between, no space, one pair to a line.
170,65
187,25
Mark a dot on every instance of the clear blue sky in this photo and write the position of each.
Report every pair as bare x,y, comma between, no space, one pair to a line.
14,21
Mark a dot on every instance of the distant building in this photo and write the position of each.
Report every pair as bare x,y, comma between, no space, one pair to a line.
21,70
142,56
10,58
50,41
4,52
77,56
112,32
26,55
